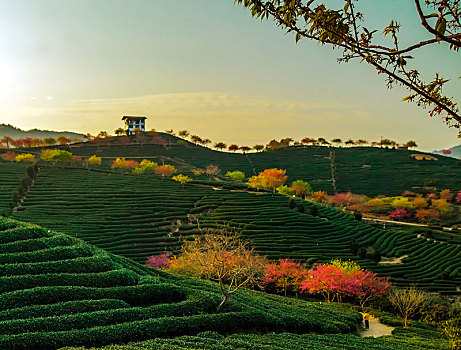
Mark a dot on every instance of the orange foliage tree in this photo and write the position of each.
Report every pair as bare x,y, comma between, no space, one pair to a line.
320,196
165,170
420,203
446,194
427,215
272,178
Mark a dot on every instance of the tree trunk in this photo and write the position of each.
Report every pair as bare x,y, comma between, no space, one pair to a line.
224,299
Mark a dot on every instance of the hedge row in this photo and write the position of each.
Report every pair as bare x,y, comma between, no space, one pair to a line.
63,308
47,254
203,304
147,294
113,278
137,330
38,244
99,262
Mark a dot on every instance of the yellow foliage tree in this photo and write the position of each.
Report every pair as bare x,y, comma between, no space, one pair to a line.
401,203
182,179
375,202
442,206
255,182
25,157
93,160
420,203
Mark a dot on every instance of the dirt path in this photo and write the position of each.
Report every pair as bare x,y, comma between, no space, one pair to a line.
376,329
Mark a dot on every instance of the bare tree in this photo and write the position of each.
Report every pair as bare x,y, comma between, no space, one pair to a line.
212,170
220,255
407,301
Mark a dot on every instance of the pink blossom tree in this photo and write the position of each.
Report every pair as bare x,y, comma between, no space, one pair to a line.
399,214
158,261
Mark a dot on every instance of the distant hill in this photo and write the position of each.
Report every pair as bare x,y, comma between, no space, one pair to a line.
455,151
16,133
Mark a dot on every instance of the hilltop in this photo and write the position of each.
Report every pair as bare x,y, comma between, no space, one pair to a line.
58,291
363,170
17,133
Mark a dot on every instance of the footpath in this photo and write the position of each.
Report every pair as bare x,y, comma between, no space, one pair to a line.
376,329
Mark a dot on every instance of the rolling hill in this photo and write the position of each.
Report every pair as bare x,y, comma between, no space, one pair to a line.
56,291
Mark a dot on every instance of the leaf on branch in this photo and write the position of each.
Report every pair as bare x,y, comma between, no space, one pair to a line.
440,27
408,98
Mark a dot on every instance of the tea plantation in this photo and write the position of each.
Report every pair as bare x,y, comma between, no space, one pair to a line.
57,290
364,170
11,176
141,216
402,339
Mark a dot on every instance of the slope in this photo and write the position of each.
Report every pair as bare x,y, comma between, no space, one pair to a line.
365,170
141,216
56,290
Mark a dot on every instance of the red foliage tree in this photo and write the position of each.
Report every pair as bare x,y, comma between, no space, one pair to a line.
399,214
6,140
285,275
344,279
17,143
11,156
369,286
327,280
27,141
446,152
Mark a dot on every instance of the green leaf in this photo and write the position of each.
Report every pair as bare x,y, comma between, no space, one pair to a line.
440,27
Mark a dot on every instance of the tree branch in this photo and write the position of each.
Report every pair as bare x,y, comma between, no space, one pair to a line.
426,25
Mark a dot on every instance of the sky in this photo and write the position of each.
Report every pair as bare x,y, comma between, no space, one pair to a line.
205,66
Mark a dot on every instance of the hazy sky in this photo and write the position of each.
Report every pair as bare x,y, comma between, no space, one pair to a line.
206,66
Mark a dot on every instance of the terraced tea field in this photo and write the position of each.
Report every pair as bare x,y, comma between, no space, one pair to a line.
10,179
364,170
138,217
122,214
402,339
56,290
390,172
